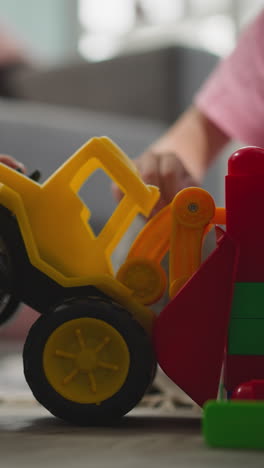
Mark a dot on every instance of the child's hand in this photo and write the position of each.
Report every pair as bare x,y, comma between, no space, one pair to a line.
166,171
12,162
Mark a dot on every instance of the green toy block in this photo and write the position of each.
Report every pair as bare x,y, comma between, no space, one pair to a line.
234,424
246,337
248,300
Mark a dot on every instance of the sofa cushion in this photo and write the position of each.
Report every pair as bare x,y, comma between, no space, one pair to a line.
157,84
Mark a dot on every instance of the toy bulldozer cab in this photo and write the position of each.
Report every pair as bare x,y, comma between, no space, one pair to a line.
53,223
91,330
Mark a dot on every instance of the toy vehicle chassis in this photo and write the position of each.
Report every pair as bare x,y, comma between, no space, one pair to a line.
85,306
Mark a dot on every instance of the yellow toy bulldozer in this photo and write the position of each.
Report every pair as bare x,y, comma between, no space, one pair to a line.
89,357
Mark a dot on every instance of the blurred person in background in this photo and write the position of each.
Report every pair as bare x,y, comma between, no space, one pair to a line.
230,105
13,55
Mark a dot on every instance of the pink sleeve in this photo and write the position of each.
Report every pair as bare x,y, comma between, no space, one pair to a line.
233,96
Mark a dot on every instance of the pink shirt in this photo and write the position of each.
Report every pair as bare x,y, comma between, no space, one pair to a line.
233,96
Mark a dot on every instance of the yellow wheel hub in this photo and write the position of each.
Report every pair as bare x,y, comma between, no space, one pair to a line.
144,277
86,360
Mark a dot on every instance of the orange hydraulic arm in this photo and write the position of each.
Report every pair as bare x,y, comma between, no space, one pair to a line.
180,227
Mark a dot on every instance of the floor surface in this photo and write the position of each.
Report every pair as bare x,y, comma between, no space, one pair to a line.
30,437
147,437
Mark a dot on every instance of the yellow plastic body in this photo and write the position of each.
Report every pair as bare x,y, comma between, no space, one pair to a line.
145,277
86,360
54,221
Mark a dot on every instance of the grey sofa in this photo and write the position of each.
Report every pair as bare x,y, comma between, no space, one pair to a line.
157,84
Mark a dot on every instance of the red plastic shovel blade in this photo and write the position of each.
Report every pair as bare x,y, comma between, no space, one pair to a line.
190,333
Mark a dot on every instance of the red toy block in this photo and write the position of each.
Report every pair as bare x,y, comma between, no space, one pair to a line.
244,211
252,390
190,333
247,161
239,369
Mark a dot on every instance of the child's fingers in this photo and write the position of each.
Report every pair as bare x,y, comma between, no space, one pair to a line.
148,167
12,162
172,175
117,192
166,171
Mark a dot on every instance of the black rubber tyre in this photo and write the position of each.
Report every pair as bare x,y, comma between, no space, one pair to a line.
8,302
140,372
8,306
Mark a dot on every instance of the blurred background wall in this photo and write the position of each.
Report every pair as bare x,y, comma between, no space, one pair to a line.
49,29
142,59
60,30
